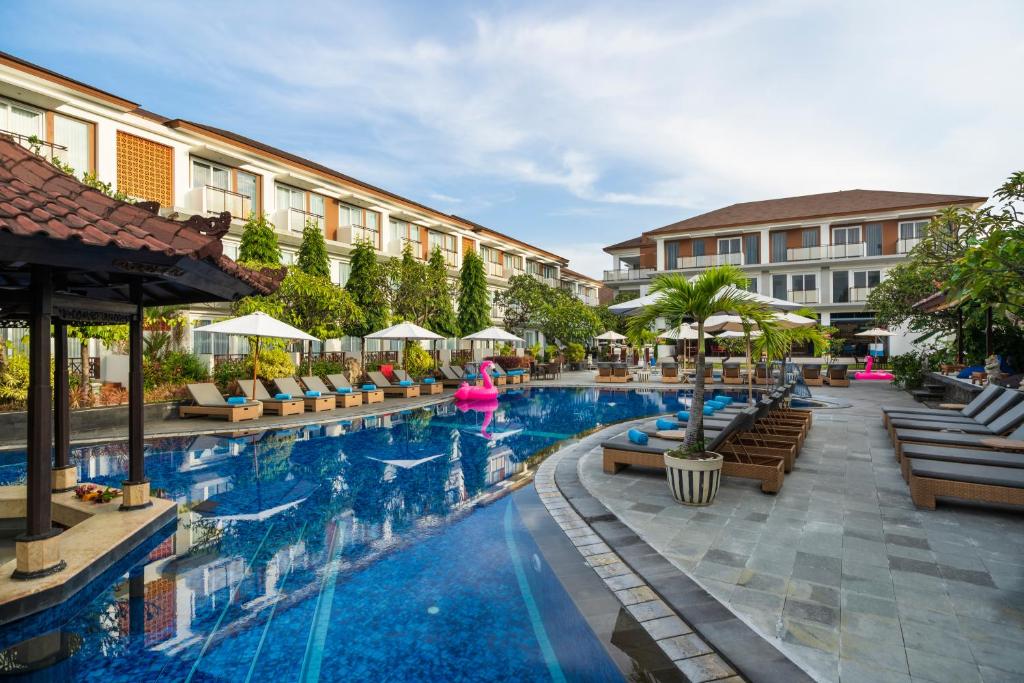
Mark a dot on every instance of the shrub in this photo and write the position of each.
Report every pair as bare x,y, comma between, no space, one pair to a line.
511,362
176,367
574,352
418,362
322,367
273,363
228,371
14,380
909,369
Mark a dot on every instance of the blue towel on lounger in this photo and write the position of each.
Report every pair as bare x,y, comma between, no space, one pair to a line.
369,387
312,394
237,400
344,390
283,397
664,424
683,416
708,410
637,437
405,383
428,380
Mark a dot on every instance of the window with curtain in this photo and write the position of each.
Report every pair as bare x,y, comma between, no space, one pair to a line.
247,185
779,287
751,249
204,173
74,135
873,239
316,205
344,270
810,237
866,278
804,283
778,245
671,255
290,198
729,245
20,120
912,230
698,247
201,340
849,235
840,286
752,284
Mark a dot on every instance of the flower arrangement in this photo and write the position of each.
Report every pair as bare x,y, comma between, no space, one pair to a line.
96,494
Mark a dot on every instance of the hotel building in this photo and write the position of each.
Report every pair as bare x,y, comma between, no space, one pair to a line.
192,168
827,251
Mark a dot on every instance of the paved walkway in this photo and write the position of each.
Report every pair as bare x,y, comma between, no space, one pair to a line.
840,569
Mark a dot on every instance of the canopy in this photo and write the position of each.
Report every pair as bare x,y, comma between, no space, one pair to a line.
610,335
735,334
684,331
875,332
404,330
257,324
648,299
494,333
722,323
791,320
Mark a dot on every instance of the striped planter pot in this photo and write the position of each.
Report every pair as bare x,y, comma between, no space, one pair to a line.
694,482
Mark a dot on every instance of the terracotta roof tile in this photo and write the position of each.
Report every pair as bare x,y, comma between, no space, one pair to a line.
38,199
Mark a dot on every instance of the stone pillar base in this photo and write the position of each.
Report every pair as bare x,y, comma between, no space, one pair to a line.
37,556
64,479
135,495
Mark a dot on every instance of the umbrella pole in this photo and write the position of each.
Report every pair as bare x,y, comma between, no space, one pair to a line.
255,363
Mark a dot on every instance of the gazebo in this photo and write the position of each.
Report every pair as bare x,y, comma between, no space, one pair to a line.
71,255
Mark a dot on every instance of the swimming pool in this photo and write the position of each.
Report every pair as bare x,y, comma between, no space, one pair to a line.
352,550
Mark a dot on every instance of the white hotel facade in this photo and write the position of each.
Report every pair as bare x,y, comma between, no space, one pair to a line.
193,168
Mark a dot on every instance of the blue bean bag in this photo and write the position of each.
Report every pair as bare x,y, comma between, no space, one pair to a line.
637,437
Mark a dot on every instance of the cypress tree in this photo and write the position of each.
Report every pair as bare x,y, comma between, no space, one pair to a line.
442,318
474,302
259,243
365,284
313,252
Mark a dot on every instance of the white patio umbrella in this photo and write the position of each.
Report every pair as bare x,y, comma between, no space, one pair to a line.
493,333
405,331
610,335
648,299
733,334
790,320
684,332
876,333
258,325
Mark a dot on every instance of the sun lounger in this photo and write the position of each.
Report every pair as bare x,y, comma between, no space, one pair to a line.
930,479
620,373
731,373
501,377
837,376
209,403
342,399
1006,422
426,388
389,389
339,381
971,410
951,439
971,456
996,407
670,373
449,378
274,406
811,374
760,373
314,404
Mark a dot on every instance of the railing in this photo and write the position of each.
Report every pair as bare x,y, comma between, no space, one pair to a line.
379,357
351,234
513,271
36,145
628,274
858,294
75,367
805,253
851,250
462,356
803,296
451,258
709,260
217,200
495,269
294,220
904,246
330,356
220,358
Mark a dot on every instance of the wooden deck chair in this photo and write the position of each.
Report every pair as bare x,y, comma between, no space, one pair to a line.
731,373
604,372
670,373
498,375
812,374
274,406
760,373
209,403
378,378
836,376
426,388
314,404
342,398
340,381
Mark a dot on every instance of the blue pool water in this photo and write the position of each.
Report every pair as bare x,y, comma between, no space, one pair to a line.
352,550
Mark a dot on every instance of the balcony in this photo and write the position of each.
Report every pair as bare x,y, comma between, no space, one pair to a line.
494,269
803,296
451,258
294,220
210,199
805,253
588,299
351,234
37,145
629,274
905,246
852,250
513,272
707,260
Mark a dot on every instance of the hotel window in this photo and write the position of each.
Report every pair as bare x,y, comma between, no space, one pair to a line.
21,120
74,136
533,268
514,261
779,287
840,287
316,205
778,247
730,245
246,185
671,255
698,247
290,198
205,173
751,249
804,283
866,278
913,230
344,270
407,233
873,239
752,284
809,237
442,241
850,235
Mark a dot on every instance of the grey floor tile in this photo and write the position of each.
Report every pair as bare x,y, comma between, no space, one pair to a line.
934,667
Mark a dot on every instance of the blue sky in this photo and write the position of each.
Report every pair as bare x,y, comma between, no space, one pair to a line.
574,124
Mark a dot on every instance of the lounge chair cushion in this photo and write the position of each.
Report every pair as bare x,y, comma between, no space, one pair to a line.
237,400
664,423
1011,477
716,404
637,437
723,399
972,456
369,387
708,410
470,375
283,397
515,372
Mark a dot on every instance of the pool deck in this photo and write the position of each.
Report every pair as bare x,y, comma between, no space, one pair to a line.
839,570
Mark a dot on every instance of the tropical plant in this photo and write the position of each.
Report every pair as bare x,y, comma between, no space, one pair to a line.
418,362
14,380
173,368
442,318
312,259
524,302
909,369
474,301
317,306
367,288
109,335
259,248
574,352
568,319
682,299
408,288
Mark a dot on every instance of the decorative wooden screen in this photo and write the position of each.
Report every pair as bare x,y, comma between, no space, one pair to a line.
145,169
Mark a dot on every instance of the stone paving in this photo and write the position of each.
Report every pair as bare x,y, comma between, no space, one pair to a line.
840,570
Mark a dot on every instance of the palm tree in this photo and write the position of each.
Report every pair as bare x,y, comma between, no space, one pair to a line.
716,290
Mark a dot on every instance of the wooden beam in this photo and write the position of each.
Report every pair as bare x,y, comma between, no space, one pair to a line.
61,407
40,435
136,399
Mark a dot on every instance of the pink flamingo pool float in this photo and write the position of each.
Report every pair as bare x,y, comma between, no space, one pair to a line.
485,393
868,373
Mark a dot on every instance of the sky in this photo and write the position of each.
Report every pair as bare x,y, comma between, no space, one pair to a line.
574,125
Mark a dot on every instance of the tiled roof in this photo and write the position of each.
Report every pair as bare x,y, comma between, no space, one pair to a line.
847,202
628,244
37,199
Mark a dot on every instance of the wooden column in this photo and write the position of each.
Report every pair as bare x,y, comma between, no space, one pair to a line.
136,488
37,551
64,477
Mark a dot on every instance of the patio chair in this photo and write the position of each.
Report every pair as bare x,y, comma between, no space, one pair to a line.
761,373
836,376
340,381
620,373
604,372
274,406
1008,452
993,420
342,398
449,378
971,410
731,373
428,388
930,479
378,378
902,437
314,404
209,403
709,373
811,373
670,373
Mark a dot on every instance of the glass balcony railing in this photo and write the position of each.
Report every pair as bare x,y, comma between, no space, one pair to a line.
294,220
805,253
495,269
803,296
218,200
709,260
851,250
628,274
904,246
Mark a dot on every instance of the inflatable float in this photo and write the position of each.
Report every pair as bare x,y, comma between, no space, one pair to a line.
868,373
487,392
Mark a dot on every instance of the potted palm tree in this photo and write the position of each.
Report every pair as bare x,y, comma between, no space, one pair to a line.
716,290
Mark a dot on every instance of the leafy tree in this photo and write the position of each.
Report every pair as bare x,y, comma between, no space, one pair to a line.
525,302
366,286
259,246
569,320
474,302
698,300
109,335
312,258
442,318
408,287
